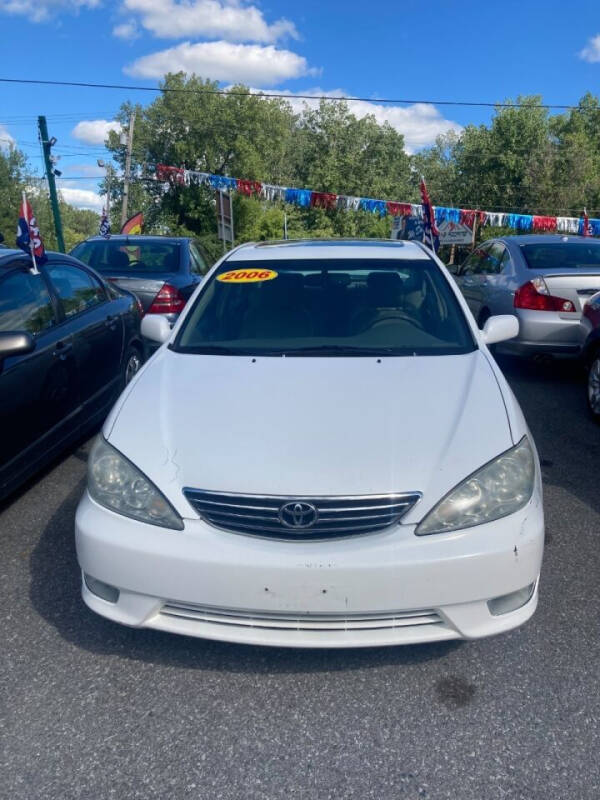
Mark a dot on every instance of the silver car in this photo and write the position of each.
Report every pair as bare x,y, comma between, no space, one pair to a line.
545,280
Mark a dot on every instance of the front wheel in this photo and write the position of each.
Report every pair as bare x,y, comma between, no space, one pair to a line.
131,365
593,387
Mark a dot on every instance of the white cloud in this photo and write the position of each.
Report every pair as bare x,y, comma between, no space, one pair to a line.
43,10
6,140
94,131
210,19
591,52
419,123
223,61
126,30
81,198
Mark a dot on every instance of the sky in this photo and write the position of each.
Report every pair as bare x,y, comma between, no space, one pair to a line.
419,50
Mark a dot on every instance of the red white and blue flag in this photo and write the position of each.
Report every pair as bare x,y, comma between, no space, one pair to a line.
429,227
104,229
586,224
29,237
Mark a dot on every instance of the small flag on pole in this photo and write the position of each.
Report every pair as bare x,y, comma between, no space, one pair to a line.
586,224
430,228
104,229
134,224
29,238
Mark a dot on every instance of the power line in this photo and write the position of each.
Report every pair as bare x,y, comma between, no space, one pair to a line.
283,95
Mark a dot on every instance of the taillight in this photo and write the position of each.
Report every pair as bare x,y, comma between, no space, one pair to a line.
140,307
167,301
535,296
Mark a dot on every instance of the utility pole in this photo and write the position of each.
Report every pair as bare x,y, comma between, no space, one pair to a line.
127,169
47,145
107,175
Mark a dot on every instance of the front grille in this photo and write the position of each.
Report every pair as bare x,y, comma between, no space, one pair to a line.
301,622
262,515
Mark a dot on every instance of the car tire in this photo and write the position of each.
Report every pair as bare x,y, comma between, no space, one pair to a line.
593,387
131,365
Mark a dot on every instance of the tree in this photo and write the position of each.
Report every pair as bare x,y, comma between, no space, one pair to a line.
12,183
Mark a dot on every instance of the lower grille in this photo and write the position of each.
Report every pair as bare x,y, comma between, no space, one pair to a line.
300,518
301,622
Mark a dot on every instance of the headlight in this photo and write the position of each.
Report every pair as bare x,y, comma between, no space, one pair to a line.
498,489
114,482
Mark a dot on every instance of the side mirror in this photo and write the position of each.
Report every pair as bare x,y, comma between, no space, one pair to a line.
15,343
500,328
156,328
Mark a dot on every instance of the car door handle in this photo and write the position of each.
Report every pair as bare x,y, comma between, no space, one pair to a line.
111,321
62,350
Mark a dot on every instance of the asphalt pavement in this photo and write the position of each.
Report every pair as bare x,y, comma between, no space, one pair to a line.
89,709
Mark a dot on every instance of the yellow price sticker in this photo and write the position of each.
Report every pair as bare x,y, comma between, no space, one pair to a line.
247,275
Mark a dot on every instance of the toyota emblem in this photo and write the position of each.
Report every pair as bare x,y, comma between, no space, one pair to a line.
298,514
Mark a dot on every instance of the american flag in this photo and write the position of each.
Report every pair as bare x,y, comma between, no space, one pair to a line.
29,237
431,231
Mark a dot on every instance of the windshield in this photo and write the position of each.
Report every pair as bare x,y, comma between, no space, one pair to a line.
330,307
562,255
135,255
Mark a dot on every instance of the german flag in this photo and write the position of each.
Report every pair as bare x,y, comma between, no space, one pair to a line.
135,224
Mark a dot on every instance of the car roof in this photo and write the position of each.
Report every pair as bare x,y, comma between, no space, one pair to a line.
123,237
543,238
324,249
9,257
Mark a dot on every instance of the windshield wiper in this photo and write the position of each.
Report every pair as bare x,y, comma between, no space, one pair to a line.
341,350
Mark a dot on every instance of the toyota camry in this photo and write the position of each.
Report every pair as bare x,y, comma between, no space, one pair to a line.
321,453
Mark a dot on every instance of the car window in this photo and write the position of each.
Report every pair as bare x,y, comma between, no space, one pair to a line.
77,289
493,263
197,262
111,256
25,304
506,263
402,307
473,263
83,252
562,255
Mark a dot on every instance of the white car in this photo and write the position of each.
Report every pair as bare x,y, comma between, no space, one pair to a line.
322,453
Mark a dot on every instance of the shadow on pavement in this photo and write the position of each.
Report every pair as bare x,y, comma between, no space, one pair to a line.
567,439
55,594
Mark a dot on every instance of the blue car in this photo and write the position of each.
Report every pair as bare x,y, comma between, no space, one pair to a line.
162,271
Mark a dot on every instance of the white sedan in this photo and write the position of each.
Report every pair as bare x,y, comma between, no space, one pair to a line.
322,453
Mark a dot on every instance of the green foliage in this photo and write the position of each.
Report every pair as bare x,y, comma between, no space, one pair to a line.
12,183
77,223
251,136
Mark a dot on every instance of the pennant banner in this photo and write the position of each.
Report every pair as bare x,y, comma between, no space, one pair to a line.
432,216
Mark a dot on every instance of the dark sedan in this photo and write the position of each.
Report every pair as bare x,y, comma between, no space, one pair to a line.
162,271
69,342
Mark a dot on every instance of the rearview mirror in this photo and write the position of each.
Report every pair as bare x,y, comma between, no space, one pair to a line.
156,328
15,343
500,328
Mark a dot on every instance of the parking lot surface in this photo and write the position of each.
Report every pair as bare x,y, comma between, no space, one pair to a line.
89,709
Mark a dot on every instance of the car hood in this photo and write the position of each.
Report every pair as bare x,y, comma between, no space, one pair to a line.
310,426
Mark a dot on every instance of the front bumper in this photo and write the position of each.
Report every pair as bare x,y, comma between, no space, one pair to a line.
380,589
